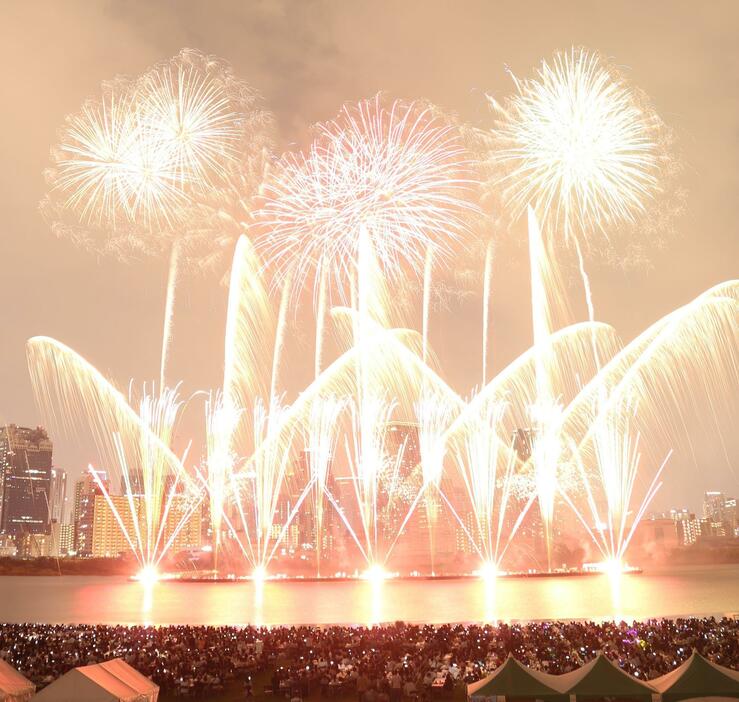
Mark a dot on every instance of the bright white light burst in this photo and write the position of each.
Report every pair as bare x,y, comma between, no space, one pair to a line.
578,144
399,173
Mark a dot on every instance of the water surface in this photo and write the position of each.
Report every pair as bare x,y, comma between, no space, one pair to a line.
699,590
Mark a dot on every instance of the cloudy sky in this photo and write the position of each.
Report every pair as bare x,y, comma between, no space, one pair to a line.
307,58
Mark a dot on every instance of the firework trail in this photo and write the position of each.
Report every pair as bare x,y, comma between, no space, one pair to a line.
222,420
487,276
321,441
609,486
433,415
159,496
169,314
427,269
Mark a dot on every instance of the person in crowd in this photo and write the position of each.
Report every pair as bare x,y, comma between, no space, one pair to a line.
379,664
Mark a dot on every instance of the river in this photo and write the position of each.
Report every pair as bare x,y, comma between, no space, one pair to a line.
698,590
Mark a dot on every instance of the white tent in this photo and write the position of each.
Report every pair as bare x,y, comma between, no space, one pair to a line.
111,681
13,686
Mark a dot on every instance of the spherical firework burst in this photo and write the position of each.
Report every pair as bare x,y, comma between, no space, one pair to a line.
131,167
106,175
578,144
399,173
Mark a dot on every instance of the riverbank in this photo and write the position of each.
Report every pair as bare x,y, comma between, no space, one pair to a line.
695,555
68,566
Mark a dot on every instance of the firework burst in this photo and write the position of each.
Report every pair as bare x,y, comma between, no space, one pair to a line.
130,169
399,173
578,144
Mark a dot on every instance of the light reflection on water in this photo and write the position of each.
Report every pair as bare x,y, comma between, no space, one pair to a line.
697,590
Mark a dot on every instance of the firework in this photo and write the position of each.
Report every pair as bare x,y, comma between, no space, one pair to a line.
151,495
320,450
107,173
399,173
222,419
484,465
578,144
153,509
131,168
609,487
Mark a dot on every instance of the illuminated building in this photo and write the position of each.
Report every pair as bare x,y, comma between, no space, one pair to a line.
713,506
85,491
402,446
25,475
8,547
33,545
58,495
62,539
721,513
109,534
688,526
654,539
529,543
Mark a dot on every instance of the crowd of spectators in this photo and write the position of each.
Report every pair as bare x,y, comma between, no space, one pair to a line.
380,664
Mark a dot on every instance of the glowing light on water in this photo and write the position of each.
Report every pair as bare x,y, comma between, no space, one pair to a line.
259,574
375,574
148,576
488,571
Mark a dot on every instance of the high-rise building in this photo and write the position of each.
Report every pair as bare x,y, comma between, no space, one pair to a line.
56,544
714,504
529,545
25,474
688,526
33,545
85,491
721,514
62,539
181,530
58,495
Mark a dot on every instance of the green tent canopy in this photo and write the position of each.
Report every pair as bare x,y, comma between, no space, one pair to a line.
515,681
697,677
601,678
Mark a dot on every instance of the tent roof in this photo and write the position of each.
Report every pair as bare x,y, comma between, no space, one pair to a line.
515,681
12,683
697,677
602,678
128,675
111,681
